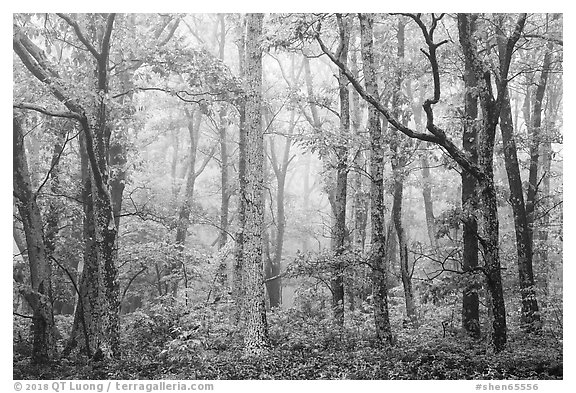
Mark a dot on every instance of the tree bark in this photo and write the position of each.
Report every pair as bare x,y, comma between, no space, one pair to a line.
256,331
470,295
378,241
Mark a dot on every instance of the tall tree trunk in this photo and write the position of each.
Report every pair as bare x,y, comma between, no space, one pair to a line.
256,331
238,288
315,122
399,163
378,241
530,317
85,327
547,155
339,228
535,123
360,201
39,295
470,295
223,123
491,108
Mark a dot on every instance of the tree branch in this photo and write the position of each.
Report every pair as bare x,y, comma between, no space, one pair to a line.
437,136
80,36
38,108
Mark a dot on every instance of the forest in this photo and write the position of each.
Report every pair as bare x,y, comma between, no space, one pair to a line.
288,196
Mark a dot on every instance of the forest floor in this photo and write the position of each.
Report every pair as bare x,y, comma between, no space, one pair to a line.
451,358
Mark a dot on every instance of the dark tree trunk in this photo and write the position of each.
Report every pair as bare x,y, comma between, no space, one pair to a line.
491,108
85,328
39,294
535,123
470,295
530,316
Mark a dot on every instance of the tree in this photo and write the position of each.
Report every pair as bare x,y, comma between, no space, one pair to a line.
483,172
470,296
399,163
39,295
378,240
491,107
96,128
340,192
256,330
280,169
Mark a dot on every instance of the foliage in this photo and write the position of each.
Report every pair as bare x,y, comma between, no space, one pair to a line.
168,341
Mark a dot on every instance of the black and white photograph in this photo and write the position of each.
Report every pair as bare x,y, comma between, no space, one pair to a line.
287,196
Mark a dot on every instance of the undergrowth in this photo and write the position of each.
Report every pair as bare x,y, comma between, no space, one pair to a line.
163,342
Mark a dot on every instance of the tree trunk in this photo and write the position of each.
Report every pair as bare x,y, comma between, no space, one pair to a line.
194,119
85,329
535,131
225,193
547,155
405,270
426,176
256,331
339,228
491,108
470,295
399,162
378,241
530,316
238,291
360,202
39,295
280,168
